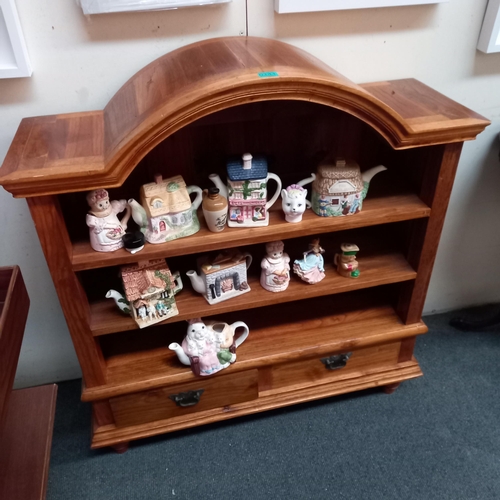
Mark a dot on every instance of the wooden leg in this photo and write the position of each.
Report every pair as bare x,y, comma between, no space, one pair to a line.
389,389
121,447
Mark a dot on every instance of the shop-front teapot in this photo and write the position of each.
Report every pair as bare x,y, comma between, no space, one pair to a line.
246,191
340,189
209,347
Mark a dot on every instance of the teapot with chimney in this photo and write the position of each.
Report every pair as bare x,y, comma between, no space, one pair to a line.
246,191
167,212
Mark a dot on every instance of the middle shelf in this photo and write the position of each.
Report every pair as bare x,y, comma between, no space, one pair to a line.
378,269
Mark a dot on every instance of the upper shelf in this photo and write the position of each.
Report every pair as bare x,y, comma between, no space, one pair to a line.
83,151
381,210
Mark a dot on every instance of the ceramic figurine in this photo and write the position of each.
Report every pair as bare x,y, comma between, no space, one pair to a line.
150,288
294,202
346,262
168,211
222,277
106,230
215,210
340,189
311,268
275,274
246,192
209,347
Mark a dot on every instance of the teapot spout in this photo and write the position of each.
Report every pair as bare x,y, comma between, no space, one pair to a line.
197,282
368,174
183,357
120,301
308,180
218,184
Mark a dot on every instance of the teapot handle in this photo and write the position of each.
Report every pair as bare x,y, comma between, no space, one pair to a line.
244,335
199,196
248,258
270,203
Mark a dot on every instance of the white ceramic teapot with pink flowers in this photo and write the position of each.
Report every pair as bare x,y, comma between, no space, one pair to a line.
210,347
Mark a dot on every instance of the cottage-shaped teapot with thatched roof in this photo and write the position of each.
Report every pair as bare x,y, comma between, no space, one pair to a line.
339,189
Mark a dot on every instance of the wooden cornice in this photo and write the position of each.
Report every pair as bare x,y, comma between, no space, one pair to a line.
83,151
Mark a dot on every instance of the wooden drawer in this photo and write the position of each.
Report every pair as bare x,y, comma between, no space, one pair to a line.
218,391
313,372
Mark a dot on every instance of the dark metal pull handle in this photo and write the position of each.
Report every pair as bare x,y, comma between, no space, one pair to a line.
336,361
189,398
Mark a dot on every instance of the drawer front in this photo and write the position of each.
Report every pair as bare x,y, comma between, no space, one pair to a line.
314,371
159,404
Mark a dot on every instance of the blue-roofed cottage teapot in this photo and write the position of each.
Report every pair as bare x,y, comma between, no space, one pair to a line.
246,191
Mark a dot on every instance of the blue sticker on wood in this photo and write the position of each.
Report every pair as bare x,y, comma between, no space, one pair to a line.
268,74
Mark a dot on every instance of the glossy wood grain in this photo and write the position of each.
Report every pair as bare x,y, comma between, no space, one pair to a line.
83,151
109,435
154,405
288,333
25,443
375,211
376,270
14,306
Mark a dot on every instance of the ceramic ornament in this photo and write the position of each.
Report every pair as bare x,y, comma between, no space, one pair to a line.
167,212
106,230
294,203
150,288
275,273
215,210
210,346
221,277
346,262
340,189
311,268
246,192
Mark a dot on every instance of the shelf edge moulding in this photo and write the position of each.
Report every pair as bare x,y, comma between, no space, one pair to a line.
290,6
489,38
107,6
14,60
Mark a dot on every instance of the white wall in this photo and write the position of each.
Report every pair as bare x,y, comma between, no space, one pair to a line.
80,62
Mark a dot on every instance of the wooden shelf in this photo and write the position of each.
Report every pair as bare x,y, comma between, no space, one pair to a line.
377,210
319,327
376,270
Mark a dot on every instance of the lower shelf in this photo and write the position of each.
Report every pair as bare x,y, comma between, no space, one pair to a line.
278,334
358,380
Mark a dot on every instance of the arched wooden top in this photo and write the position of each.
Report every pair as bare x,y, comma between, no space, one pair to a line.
83,151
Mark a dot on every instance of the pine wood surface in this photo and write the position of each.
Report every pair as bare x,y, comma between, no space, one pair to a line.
319,327
25,443
378,210
83,151
154,405
375,270
110,434
14,306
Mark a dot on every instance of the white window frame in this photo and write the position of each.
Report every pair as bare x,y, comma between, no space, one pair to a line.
14,60
489,38
290,6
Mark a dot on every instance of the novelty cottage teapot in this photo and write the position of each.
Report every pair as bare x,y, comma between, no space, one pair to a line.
246,191
209,347
167,212
340,189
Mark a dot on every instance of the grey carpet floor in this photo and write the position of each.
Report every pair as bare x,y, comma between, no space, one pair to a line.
436,437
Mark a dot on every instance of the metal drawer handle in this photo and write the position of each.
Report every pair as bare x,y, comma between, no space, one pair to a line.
189,398
336,361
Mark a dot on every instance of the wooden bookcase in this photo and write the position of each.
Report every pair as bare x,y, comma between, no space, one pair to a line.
183,114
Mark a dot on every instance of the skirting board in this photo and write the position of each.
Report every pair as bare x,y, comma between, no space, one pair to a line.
290,6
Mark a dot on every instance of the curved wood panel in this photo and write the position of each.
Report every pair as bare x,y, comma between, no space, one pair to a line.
83,151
